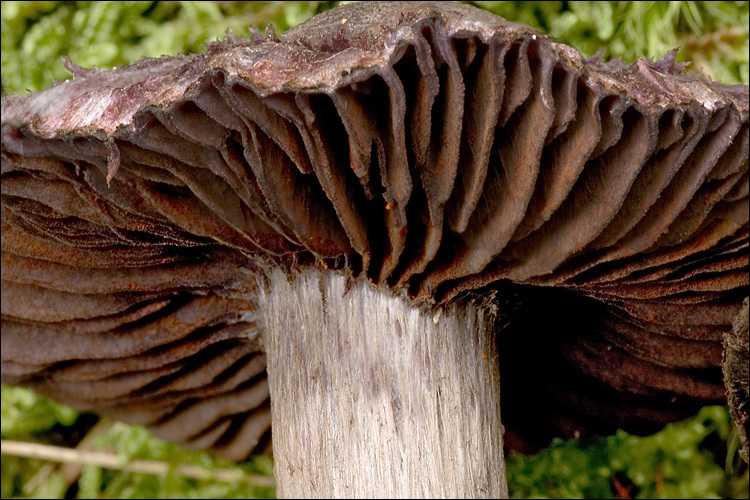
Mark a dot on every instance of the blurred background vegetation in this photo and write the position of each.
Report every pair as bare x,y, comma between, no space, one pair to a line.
713,35
692,459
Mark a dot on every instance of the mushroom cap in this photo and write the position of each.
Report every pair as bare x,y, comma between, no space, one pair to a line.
432,148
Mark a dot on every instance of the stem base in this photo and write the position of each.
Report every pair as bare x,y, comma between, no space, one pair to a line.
372,397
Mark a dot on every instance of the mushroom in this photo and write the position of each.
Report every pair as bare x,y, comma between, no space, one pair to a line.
332,230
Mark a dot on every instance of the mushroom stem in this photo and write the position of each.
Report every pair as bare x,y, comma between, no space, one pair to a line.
372,397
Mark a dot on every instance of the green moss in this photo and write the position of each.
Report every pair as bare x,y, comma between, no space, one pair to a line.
24,413
106,34
29,417
36,34
713,36
684,460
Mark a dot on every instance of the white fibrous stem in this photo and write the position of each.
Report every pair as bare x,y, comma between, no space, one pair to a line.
372,397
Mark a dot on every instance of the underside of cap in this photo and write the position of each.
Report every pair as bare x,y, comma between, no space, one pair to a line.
431,148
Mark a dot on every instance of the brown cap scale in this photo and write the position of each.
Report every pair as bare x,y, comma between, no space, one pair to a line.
361,204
